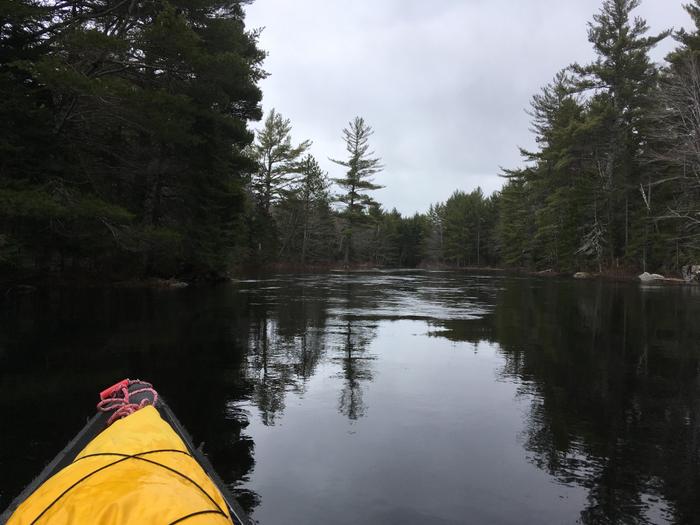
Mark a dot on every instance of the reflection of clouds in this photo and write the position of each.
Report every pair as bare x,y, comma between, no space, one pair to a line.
419,301
414,295
609,374
295,320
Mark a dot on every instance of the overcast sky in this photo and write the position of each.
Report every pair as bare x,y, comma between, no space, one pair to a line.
444,84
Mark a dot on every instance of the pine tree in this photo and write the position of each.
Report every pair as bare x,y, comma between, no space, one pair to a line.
305,216
515,229
562,177
689,40
361,167
315,198
435,242
621,80
413,233
124,126
277,158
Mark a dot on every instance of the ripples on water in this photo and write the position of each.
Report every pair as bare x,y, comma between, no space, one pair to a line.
386,397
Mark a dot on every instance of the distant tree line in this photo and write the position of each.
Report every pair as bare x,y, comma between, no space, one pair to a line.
126,151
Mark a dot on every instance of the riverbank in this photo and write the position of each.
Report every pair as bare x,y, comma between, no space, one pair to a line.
28,285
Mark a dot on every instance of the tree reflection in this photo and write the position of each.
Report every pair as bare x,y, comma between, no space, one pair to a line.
269,374
615,404
286,340
611,373
356,336
293,327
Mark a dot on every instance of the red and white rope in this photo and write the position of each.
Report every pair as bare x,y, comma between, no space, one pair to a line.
118,399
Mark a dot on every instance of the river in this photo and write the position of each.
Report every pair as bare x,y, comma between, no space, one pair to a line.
385,397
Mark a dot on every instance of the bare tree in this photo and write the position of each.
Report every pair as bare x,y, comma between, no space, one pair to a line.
677,145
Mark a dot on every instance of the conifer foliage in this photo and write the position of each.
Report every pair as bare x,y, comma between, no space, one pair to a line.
612,184
361,166
126,150
123,130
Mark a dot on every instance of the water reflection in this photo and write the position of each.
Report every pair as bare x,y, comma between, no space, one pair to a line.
612,372
355,365
608,377
615,377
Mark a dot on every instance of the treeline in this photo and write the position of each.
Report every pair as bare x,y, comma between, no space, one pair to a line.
615,181
297,218
126,151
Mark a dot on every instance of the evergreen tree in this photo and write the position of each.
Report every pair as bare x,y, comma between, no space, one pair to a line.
315,199
464,220
306,225
459,229
562,180
278,160
358,180
515,228
413,233
278,166
621,79
382,245
124,126
689,40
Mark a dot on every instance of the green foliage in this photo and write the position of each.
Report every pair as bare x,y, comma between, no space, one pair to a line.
278,170
277,160
620,81
515,227
125,150
307,231
599,191
123,133
467,220
689,40
358,180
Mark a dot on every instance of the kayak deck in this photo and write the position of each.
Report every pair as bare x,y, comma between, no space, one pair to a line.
198,471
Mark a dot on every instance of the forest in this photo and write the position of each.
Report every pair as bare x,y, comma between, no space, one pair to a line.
134,145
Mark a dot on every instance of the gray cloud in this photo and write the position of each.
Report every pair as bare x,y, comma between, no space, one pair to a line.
444,84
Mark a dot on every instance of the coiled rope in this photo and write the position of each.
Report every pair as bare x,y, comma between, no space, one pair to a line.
117,398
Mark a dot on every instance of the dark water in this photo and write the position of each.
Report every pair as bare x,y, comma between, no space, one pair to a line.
416,397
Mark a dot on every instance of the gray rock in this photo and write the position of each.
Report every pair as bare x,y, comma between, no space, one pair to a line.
647,277
582,275
691,273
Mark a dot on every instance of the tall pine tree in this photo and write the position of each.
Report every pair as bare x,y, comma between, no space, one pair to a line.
277,158
620,80
358,180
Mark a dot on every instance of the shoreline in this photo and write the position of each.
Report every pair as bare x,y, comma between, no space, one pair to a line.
24,286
